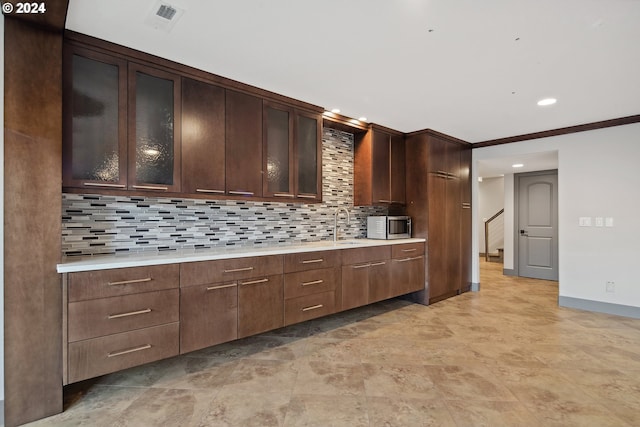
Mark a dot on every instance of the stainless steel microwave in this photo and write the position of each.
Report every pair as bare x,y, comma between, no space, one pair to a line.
388,227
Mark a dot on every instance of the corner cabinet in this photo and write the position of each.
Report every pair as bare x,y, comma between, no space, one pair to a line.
291,153
379,170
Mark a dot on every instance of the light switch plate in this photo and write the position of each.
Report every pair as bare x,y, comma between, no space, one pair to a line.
585,221
599,221
608,222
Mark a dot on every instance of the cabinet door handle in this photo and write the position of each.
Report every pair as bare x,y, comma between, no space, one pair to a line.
128,282
149,187
255,282
312,261
375,264
400,202
384,201
361,266
130,350
409,250
130,313
417,257
213,288
204,190
314,282
403,260
307,196
105,185
313,307
236,270
283,195
241,193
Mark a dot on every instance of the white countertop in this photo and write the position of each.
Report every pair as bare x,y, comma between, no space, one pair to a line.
103,262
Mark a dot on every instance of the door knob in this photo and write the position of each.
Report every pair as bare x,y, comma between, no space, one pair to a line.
524,233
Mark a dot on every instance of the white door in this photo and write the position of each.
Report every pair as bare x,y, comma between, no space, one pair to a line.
537,231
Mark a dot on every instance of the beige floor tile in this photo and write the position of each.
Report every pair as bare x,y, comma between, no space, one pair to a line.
262,376
409,381
327,411
329,378
475,413
230,409
407,412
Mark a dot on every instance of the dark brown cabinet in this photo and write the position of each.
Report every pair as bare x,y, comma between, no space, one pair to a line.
260,305
465,219
243,147
95,121
365,275
434,204
121,124
407,268
292,153
379,170
203,137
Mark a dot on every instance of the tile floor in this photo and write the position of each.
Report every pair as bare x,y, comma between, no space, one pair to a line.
506,356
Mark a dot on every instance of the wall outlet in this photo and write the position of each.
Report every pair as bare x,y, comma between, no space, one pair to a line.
599,221
608,222
585,221
611,286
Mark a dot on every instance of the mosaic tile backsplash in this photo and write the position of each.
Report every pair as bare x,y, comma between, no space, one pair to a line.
98,224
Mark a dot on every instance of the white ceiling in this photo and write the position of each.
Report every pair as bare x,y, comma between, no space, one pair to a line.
471,69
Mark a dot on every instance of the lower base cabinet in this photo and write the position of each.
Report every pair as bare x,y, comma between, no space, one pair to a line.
120,318
260,305
208,315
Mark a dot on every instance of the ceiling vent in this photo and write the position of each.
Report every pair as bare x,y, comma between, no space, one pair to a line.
163,16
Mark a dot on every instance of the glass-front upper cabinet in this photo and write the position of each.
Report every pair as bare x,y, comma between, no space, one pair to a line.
94,115
308,156
292,153
154,129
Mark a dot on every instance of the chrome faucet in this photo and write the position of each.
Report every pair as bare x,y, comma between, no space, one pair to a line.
335,222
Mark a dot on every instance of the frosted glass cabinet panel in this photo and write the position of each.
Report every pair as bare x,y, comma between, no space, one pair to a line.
94,121
308,153
154,122
278,148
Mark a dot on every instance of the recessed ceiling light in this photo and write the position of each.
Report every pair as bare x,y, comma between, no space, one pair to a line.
362,119
547,101
335,110
517,165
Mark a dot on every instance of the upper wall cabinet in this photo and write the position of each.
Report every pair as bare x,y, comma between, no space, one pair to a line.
140,124
379,170
95,127
122,124
154,129
292,156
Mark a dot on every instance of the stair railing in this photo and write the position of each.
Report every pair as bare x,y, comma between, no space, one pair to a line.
486,233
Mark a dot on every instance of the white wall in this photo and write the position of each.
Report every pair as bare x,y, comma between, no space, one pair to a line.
598,176
490,201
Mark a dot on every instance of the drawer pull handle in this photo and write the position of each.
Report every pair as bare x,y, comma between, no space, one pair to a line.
255,282
312,261
128,282
149,187
307,196
375,264
409,250
403,260
204,190
105,185
241,193
131,313
361,266
315,282
313,307
283,195
213,288
236,270
129,350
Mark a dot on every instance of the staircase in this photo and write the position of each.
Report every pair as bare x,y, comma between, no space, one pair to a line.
494,236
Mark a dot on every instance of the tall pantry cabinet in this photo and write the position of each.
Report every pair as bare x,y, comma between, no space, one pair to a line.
438,201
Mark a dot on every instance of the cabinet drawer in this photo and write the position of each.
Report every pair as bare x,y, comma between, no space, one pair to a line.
310,282
311,260
99,356
309,307
99,317
360,255
122,281
407,250
224,270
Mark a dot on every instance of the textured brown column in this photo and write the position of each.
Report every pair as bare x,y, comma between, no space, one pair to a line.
32,211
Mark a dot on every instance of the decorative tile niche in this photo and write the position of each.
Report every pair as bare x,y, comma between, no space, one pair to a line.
97,224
